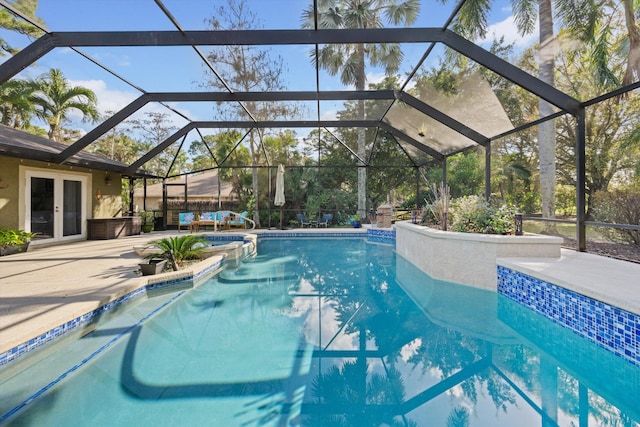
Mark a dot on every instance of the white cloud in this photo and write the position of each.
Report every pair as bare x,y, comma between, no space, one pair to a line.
509,30
112,101
329,115
375,78
108,99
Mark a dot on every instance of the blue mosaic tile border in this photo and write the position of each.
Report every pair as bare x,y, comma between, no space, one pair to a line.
34,343
381,235
167,283
611,328
209,270
224,238
287,235
84,361
372,234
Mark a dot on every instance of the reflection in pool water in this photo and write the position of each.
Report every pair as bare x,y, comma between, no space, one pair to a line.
323,332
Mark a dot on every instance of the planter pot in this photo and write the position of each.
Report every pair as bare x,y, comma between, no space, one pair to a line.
13,249
147,228
356,224
154,266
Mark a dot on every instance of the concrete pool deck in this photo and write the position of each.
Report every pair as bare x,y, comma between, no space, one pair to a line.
47,286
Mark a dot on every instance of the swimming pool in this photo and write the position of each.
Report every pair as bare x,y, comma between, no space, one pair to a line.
326,332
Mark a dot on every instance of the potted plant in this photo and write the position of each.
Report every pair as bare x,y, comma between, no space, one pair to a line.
152,266
178,249
147,221
13,241
355,221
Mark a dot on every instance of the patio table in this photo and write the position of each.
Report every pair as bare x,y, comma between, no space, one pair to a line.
195,225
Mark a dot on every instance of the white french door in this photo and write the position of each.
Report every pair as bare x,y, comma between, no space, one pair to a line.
55,206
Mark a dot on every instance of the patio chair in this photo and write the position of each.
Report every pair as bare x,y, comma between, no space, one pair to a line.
185,218
238,220
325,220
303,221
224,219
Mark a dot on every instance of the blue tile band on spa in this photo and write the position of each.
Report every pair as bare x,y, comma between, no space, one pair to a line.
383,236
224,238
86,319
611,328
293,234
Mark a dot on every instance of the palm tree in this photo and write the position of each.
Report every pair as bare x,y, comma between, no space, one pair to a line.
55,98
582,18
349,60
9,22
633,60
16,103
472,22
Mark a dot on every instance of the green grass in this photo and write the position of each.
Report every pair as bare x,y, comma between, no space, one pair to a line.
568,230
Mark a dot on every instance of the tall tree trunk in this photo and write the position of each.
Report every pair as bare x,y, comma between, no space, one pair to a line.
362,171
633,60
254,179
53,131
547,130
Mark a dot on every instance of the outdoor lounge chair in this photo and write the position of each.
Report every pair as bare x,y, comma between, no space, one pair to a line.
207,219
224,219
185,218
303,221
238,220
325,220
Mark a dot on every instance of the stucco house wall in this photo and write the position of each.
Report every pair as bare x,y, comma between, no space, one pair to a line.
103,195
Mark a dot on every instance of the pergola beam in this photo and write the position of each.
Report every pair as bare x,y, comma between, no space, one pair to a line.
138,103
399,134
49,41
511,72
44,44
161,147
335,95
101,129
278,124
246,124
443,118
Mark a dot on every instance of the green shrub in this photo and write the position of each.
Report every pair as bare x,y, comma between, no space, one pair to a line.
11,237
618,207
472,214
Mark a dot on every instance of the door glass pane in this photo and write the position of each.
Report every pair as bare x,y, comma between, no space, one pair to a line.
71,208
42,207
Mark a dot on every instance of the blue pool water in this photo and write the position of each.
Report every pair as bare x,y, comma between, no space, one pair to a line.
320,332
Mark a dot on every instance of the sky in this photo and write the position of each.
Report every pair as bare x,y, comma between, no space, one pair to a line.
163,69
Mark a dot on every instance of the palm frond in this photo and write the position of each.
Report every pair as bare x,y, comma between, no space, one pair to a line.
405,12
525,16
